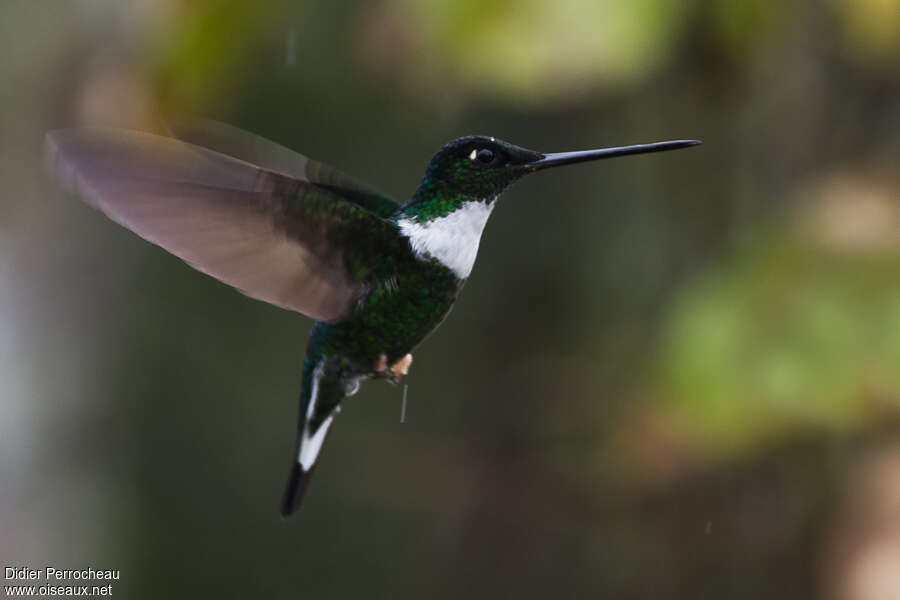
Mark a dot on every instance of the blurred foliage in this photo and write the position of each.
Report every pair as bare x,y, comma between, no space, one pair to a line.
741,28
539,52
782,336
202,48
871,31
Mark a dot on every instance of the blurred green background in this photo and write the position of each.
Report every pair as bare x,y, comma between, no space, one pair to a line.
670,376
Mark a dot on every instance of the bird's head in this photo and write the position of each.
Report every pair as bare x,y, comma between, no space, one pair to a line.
479,168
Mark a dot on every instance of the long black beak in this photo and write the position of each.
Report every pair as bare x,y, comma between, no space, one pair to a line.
556,159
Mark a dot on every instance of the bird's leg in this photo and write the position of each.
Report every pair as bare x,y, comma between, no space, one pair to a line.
395,371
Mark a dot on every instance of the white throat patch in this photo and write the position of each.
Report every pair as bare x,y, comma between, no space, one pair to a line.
453,239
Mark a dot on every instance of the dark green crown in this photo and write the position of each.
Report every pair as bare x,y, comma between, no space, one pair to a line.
471,168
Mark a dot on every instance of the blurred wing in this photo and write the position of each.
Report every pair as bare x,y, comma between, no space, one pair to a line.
275,157
276,238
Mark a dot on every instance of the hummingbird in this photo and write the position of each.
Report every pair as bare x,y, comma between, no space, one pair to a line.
377,276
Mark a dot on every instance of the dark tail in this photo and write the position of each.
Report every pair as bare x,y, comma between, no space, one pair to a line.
296,486
321,392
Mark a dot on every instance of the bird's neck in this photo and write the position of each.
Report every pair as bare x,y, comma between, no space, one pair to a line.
445,225
434,199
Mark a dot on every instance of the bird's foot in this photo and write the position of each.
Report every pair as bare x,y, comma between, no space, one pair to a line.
401,367
396,371
381,364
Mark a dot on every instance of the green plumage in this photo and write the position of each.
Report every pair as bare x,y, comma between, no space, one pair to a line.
376,276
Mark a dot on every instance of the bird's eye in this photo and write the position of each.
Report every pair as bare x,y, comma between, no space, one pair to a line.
483,155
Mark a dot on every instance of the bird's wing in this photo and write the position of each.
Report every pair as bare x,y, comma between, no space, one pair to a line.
275,157
274,236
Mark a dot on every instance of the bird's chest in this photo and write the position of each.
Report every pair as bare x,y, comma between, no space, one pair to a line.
452,239
398,312
399,308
